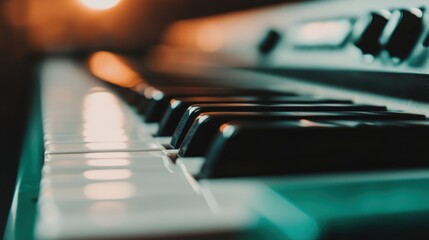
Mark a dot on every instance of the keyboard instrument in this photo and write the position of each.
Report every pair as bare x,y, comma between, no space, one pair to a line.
298,121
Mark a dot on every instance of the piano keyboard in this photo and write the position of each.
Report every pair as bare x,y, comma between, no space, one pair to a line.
267,133
107,174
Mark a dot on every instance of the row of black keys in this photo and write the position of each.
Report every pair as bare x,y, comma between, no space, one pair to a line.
256,133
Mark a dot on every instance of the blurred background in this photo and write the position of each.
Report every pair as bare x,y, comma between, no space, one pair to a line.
31,29
129,25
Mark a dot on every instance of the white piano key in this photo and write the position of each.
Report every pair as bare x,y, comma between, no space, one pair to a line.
79,121
152,216
192,166
164,141
104,155
152,128
86,189
64,139
166,171
68,164
111,164
102,147
144,204
106,176
99,131
89,131
61,185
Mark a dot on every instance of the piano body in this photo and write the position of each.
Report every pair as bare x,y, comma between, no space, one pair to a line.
319,131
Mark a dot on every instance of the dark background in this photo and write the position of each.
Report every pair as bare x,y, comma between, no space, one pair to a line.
31,28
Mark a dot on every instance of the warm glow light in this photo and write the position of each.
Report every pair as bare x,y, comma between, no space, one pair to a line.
111,68
227,130
210,38
100,4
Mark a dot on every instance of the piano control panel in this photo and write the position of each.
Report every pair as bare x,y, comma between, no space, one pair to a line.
347,35
394,31
371,46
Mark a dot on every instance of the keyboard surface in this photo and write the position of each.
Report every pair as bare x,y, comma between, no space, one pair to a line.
261,134
107,175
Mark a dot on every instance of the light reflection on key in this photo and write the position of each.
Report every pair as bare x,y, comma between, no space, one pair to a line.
108,131
107,155
95,108
109,190
109,162
107,146
103,123
111,174
103,155
75,165
112,138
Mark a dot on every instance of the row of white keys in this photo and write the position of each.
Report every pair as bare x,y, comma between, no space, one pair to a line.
105,176
99,123
156,199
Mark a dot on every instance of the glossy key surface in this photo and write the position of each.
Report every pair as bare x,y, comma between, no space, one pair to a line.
312,147
199,138
159,99
178,106
194,111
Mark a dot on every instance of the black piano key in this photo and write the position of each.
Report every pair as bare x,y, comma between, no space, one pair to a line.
178,106
152,96
159,99
200,136
147,93
192,112
309,147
